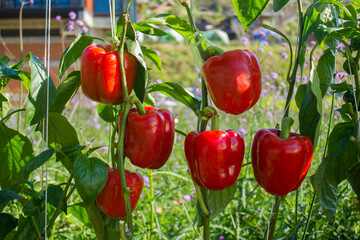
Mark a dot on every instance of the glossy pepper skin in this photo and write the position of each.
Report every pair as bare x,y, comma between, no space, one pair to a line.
149,138
214,158
233,80
280,165
110,200
101,76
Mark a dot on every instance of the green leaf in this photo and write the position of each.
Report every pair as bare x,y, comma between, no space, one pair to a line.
177,92
181,26
26,229
325,70
311,21
6,71
7,195
342,155
54,193
152,55
38,161
150,30
60,131
90,175
107,112
302,56
96,220
141,81
130,30
74,51
66,91
311,109
7,224
150,100
344,115
15,152
353,176
340,87
4,106
79,212
325,188
300,94
37,98
279,4
218,200
249,11
25,79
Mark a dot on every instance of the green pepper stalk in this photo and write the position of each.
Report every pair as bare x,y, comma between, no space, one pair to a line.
125,190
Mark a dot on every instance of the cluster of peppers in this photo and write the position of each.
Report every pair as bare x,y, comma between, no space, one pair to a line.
149,136
214,157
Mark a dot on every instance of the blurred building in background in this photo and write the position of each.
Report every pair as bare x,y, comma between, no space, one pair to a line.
69,18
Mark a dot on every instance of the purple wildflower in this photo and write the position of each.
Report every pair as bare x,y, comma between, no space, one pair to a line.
80,23
85,29
146,181
72,15
245,40
70,28
242,131
187,198
58,18
274,75
284,55
158,81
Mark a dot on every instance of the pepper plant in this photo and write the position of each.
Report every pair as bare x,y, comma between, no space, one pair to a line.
115,75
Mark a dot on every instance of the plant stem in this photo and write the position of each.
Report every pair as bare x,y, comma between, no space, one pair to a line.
151,180
63,199
206,227
139,106
308,218
38,234
21,56
121,57
7,116
201,200
270,232
296,64
296,210
286,124
125,190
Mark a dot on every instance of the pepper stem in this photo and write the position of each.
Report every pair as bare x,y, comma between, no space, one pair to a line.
212,51
139,106
286,124
215,123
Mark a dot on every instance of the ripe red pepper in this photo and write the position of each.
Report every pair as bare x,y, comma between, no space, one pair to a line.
233,80
110,200
101,75
149,138
214,158
280,165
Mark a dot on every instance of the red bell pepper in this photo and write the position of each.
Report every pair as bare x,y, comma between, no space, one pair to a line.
233,80
101,76
149,138
280,165
111,201
214,158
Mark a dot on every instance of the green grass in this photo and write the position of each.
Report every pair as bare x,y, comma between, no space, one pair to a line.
247,215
